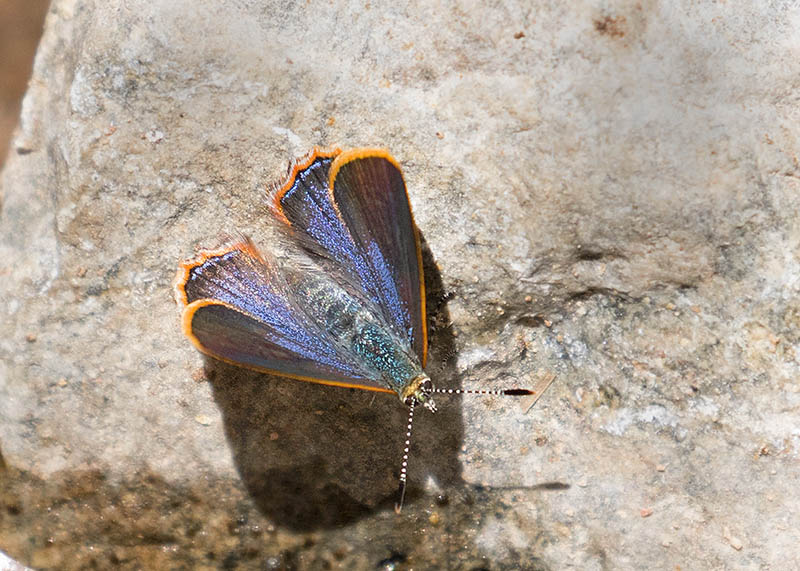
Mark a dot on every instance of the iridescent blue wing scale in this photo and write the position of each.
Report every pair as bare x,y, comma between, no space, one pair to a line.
239,310
305,204
370,195
353,206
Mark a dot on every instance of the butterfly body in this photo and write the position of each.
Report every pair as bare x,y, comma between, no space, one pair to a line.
384,356
350,311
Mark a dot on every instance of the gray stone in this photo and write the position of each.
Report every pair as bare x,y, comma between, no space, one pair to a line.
608,191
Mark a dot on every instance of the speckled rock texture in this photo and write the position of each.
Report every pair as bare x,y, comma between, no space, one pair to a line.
608,193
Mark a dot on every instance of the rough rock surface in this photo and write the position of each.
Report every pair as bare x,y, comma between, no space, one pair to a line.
609,192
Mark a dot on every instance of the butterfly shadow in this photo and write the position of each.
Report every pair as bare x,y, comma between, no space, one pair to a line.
314,456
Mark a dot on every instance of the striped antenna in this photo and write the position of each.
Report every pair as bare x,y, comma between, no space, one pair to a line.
398,507
505,392
404,466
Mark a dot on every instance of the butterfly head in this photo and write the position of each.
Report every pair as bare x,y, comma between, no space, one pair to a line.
418,392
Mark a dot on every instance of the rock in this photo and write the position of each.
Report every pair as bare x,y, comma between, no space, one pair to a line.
609,195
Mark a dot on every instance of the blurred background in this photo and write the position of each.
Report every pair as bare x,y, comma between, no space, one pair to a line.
21,24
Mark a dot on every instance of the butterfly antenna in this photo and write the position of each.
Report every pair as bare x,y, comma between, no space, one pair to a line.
505,392
404,466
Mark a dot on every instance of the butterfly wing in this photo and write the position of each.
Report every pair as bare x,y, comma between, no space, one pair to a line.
370,194
237,308
354,207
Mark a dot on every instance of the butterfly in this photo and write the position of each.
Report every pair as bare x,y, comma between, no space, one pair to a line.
338,300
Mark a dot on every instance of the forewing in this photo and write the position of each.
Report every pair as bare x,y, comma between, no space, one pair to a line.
353,208
304,202
370,195
237,308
